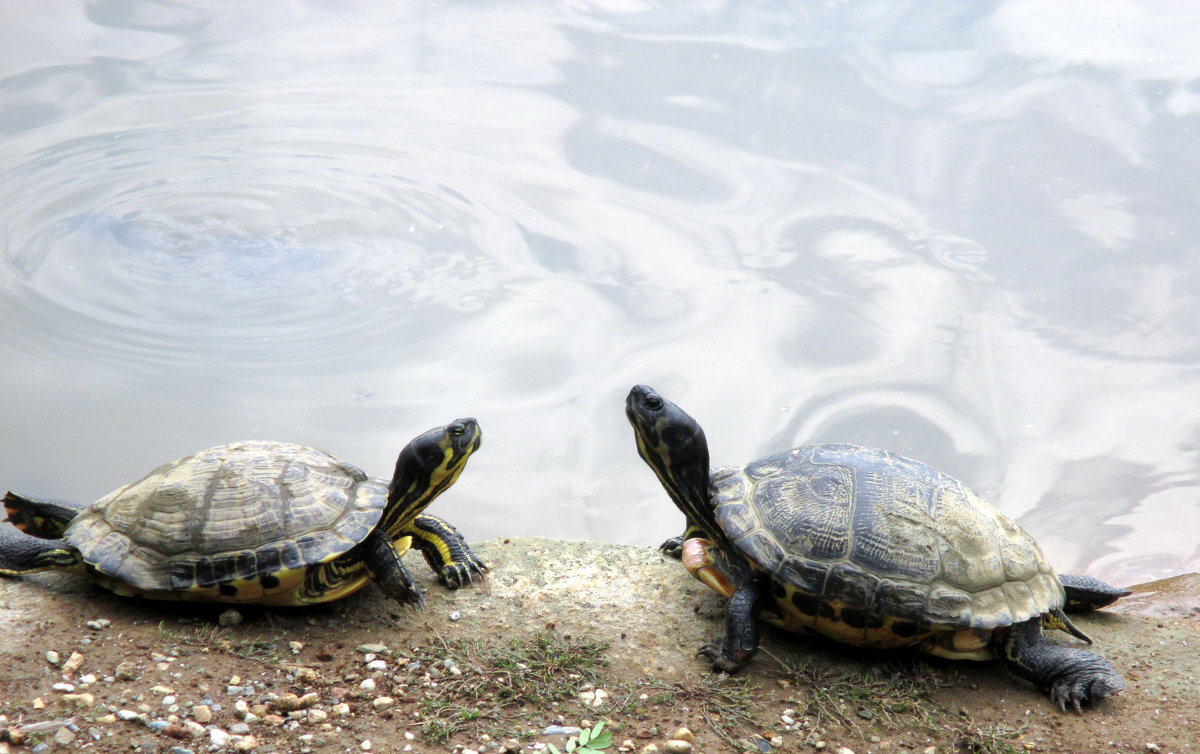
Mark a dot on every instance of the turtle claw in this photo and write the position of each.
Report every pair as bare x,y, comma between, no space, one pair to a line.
723,660
1084,689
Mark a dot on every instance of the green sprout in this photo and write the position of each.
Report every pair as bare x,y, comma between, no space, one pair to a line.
587,742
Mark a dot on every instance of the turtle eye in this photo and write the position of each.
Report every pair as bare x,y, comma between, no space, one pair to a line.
457,430
653,402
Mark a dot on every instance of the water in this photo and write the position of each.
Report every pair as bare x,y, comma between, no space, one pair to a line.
965,232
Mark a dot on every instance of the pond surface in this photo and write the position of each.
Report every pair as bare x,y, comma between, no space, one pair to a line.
966,232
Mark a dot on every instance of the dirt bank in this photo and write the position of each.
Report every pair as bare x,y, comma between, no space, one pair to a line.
566,634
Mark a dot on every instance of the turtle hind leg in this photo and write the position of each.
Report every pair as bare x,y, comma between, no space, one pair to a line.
21,553
1087,593
446,552
1073,676
39,517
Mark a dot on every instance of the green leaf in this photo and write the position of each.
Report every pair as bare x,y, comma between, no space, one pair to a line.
553,749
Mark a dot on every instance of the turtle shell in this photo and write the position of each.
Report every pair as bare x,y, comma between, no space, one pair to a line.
876,549
246,512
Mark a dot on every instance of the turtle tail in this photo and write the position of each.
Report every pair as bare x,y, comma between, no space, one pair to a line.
38,517
21,553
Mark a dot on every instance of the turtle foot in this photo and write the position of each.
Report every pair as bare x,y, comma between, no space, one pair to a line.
722,659
459,574
1086,687
673,547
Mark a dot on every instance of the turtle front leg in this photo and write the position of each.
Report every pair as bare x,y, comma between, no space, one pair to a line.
384,562
732,651
446,552
1073,676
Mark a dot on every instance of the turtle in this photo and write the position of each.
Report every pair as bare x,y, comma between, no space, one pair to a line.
870,549
268,523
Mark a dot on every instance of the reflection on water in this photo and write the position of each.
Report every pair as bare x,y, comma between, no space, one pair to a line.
965,233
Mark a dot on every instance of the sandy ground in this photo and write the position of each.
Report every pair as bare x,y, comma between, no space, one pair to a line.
165,677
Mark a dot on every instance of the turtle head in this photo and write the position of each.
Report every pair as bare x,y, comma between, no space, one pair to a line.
426,467
672,444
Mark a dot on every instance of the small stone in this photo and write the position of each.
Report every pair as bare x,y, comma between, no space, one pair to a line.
304,675
64,736
126,671
377,665
295,646
87,680
53,657
845,750
866,714
241,706
130,716
99,624
676,746
158,726
372,648
230,617
193,728
82,700
341,709
1153,747
787,719
561,730
219,738
202,713
245,743
368,684
649,749
683,734
317,716
365,745
106,719
64,687
819,745
455,616
72,664
239,729
383,702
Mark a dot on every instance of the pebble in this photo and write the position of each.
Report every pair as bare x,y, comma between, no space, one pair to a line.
341,709
83,700
372,648
230,617
180,750
239,690
317,716
376,665
383,702
1153,747
64,736
245,743
239,729
99,624
158,726
562,730
202,713
219,738
649,749
72,664
130,716
454,616
193,728
845,750
64,687
87,680
365,745
295,646
367,685
683,734
676,746
126,671
53,657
